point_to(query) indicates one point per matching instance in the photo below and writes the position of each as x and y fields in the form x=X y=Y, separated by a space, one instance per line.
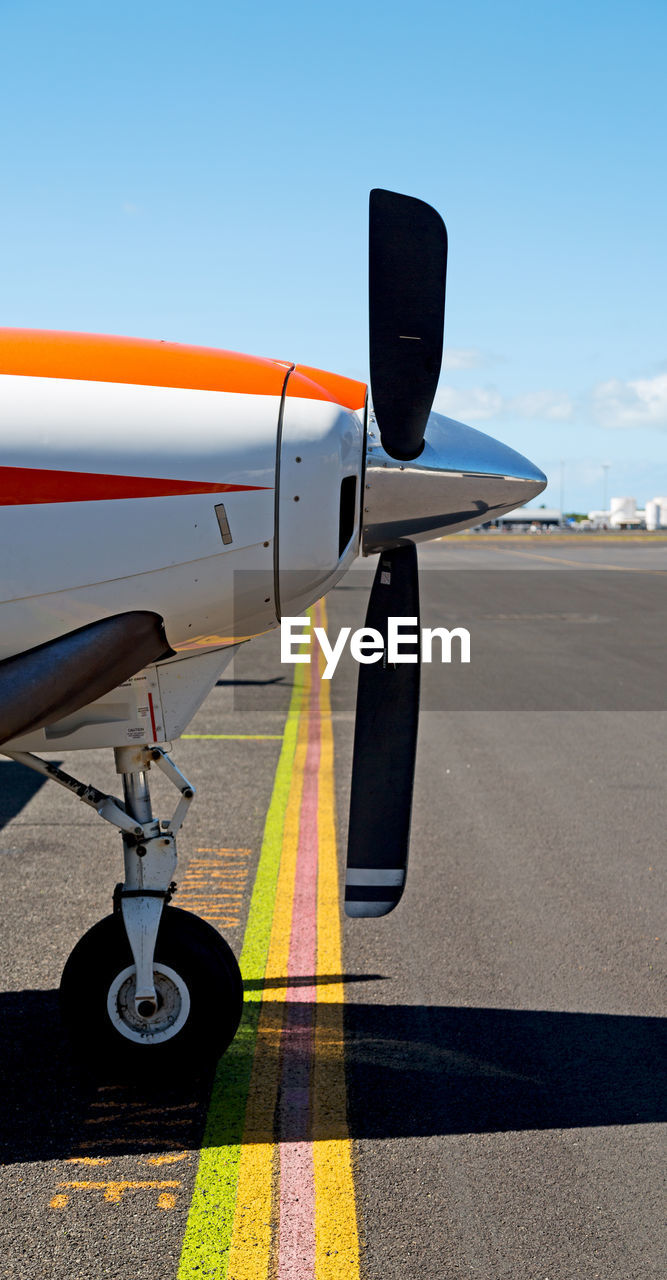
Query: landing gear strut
x=149 y=983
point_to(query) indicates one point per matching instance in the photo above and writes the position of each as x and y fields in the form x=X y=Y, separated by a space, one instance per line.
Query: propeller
x=407 y=272
x=407 y=256
x=385 y=744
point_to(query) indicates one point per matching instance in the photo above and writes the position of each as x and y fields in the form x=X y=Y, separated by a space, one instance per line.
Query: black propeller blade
x=407 y=272
x=385 y=743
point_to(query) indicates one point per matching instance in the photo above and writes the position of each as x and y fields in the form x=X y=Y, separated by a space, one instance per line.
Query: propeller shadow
x=234 y=684
x=310 y=980
x=411 y=1071
x=431 y=1070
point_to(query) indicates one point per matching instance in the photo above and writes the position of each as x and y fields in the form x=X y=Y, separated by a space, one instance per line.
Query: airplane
x=161 y=504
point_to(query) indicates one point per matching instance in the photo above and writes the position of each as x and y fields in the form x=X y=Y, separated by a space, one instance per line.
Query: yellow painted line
x=229 y=902
x=250 y=1251
x=231 y=1230
x=88 y=1160
x=587 y=538
x=237 y=737
x=114 y=1191
x=233 y=878
x=210 y=1224
x=170 y=1159
x=214 y=882
x=144 y=1108
x=577 y=564
x=336 y=1232
x=218 y=865
x=137 y=1122
x=137 y=1141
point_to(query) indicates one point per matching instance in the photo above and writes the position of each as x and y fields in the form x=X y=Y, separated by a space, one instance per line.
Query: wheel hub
x=149 y=1023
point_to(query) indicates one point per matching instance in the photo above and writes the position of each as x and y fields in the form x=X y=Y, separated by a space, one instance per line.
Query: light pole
x=562 y=489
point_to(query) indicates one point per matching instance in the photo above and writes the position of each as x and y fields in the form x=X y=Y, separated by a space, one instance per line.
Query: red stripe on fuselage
x=152 y=711
x=26 y=486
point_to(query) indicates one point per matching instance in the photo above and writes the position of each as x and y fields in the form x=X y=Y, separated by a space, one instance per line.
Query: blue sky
x=201 y=172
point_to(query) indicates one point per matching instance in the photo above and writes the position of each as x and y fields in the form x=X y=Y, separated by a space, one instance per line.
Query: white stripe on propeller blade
x=375 y=875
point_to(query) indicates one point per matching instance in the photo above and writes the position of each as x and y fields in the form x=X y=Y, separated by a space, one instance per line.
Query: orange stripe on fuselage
x=92 y=357
x=344 y=391
x=28 y=486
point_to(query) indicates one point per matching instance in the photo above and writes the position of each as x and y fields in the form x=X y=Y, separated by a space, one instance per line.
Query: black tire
x=199 y=961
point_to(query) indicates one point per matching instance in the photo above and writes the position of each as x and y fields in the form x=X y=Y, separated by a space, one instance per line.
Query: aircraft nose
x=461 y=478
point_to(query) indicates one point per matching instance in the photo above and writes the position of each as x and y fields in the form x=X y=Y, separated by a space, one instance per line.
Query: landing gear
x=149 y=985
x=199 y=997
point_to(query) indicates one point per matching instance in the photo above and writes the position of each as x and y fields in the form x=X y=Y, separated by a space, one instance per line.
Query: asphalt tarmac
x=505 y=1027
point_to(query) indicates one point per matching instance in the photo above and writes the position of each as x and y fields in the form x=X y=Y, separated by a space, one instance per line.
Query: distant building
x=524 y=518
x=656 y=513
x=624 y=513
x=596 y=520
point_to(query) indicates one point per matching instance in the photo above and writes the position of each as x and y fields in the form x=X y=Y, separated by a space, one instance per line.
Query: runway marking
x=113 y=1191
x=336 y=1231
x=118 y=1125
x=578 y=564
x=214 y=884
x=128 y=1140
x=129 y=1106
x=274 y=1194
x=236 y=737
x=115 y=1121
x=175 y=1158
x=88 y=1160
x=559 y=540
x=211 y=1219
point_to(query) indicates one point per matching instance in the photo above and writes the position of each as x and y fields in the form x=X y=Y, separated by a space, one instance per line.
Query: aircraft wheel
x=198 y=984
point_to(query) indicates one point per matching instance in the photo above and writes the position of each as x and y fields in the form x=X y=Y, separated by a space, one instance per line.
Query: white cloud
x=474 y=405
x=554 y=405
x=616 y=403
x=478 y=404
x=464 y=358
x=638 y=403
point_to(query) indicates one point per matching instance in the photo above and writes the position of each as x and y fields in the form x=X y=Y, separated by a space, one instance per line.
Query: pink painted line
x=296 y=1236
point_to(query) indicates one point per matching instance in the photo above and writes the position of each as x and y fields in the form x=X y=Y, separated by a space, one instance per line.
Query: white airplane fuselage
x=221 y=492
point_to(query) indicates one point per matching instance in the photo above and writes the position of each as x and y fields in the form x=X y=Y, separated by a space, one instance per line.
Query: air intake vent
x=348 y=510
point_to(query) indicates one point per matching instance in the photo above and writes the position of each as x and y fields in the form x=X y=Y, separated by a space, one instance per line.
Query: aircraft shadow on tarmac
x=18 y=785
x=411 y=1071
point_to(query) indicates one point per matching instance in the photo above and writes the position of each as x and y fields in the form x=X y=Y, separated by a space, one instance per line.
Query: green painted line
x=240 y=737
x=211 y=1218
